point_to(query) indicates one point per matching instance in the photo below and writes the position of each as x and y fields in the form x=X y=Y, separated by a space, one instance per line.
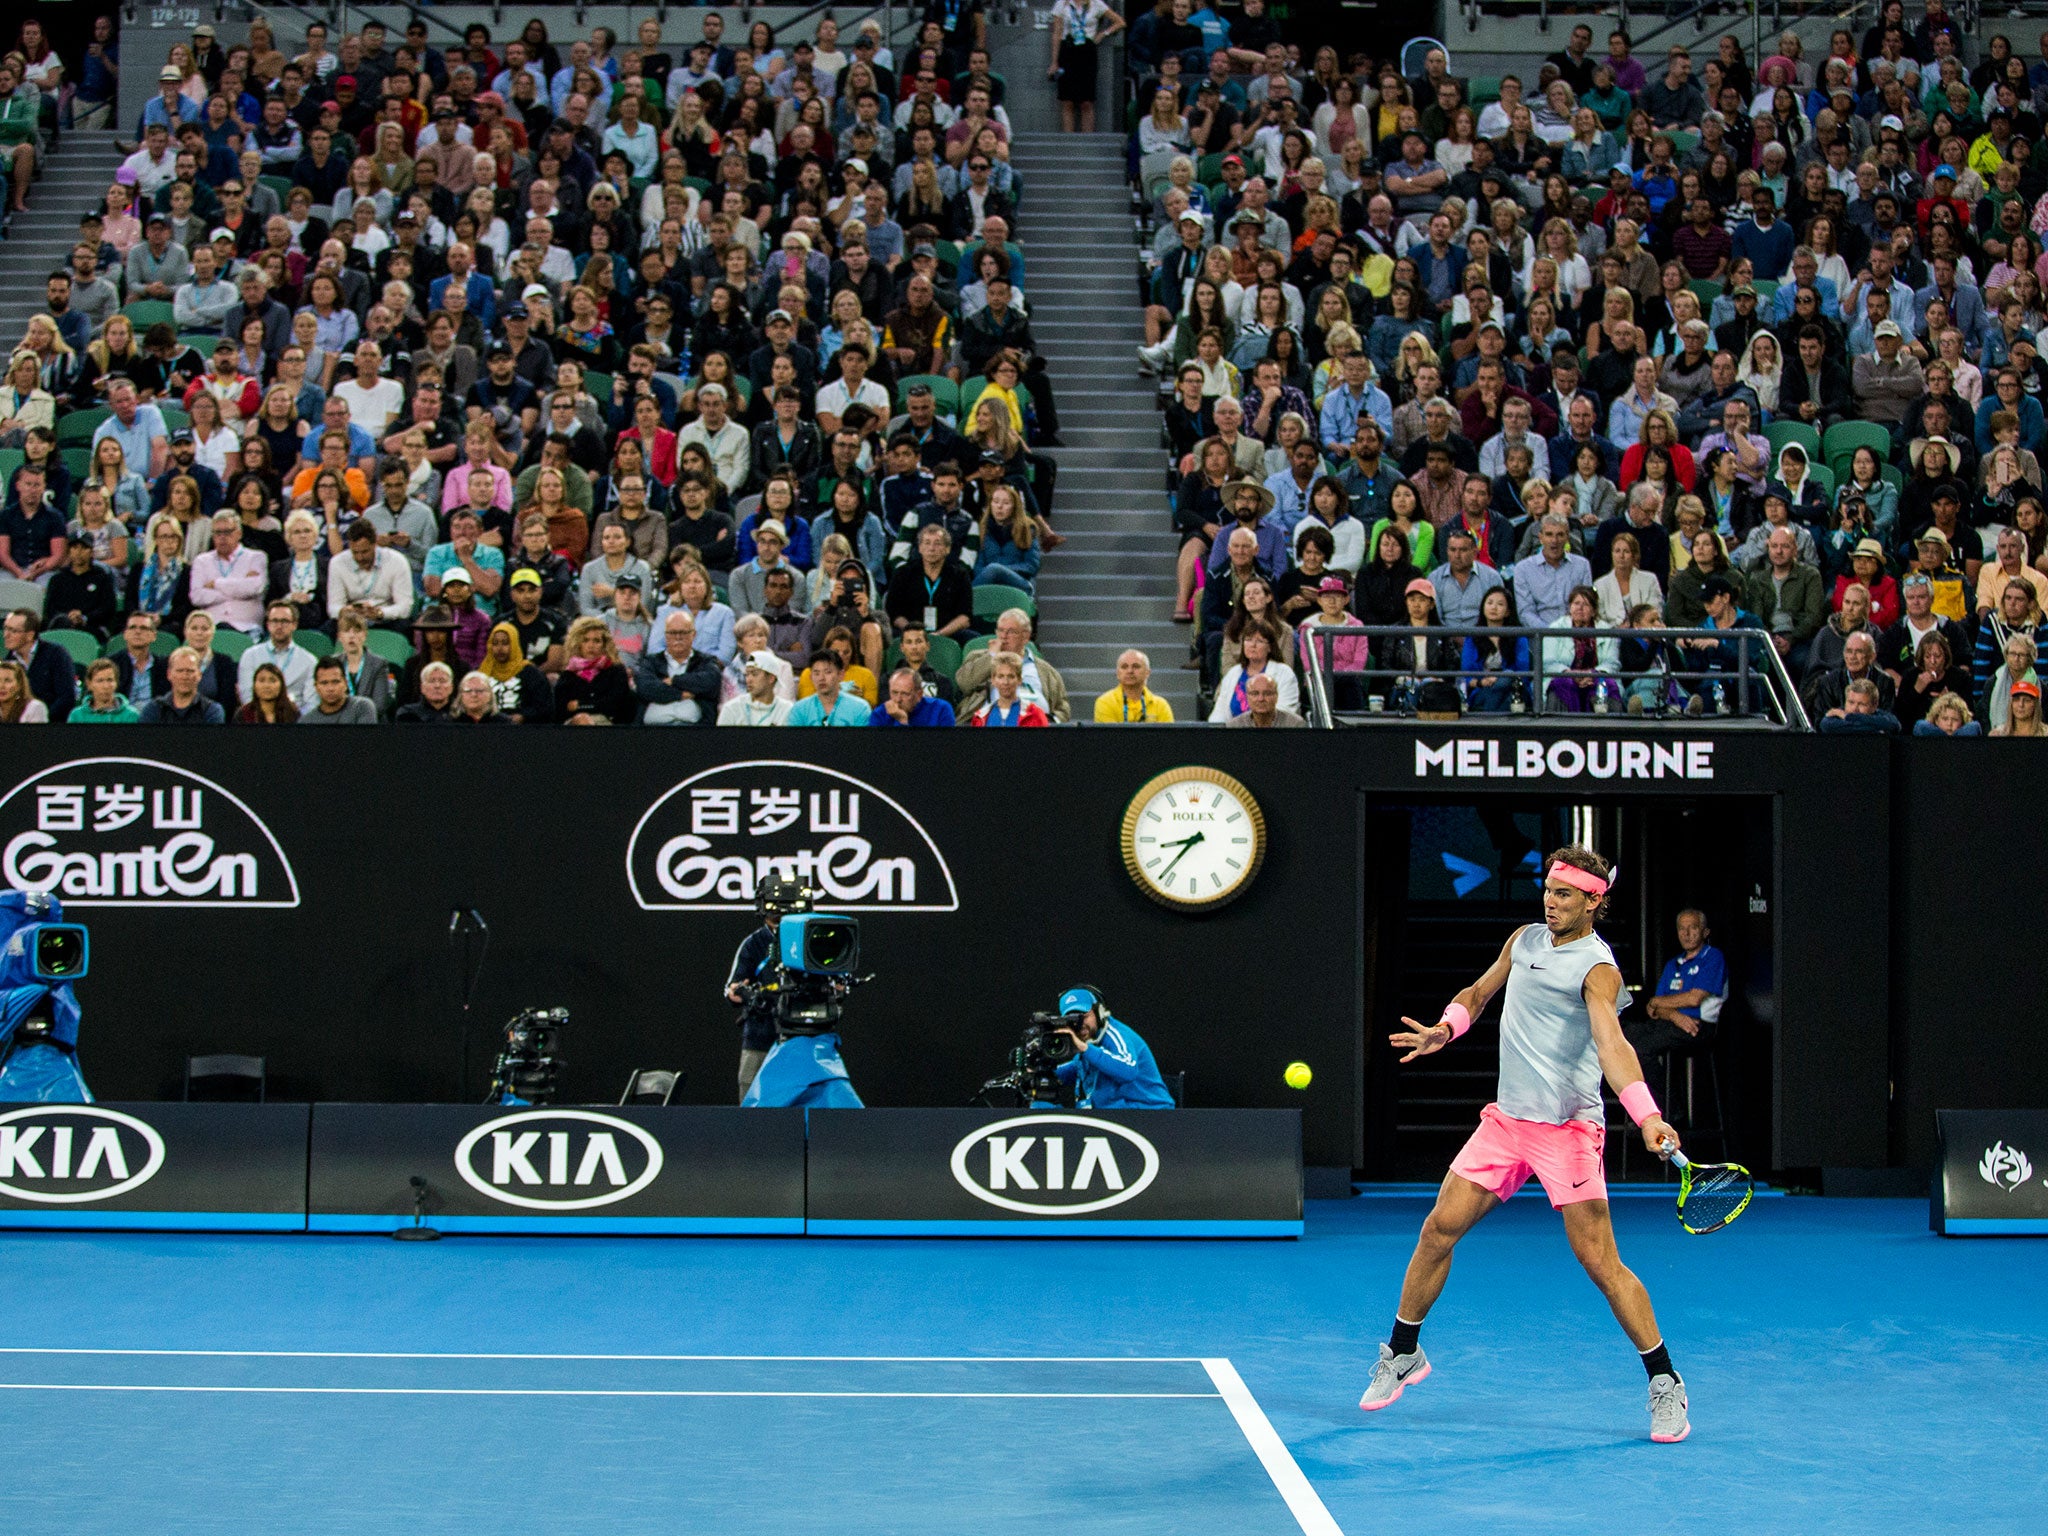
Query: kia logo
x=1037 y=1165
x=558 y=1159
x=72 y=1154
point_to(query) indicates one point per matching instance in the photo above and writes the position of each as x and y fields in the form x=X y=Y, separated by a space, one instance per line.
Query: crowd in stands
x=1608 y=345
x=525 y=382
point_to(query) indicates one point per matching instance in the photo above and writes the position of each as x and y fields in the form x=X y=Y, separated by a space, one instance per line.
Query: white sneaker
x=1668 y=1423
x=1394 y=1375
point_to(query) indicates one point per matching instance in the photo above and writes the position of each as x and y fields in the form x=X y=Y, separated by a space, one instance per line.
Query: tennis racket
x=1710 y=1195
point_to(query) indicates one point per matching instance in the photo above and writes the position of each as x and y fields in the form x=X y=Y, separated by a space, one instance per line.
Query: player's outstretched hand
x=1418 y=1039
x=1658 y=1136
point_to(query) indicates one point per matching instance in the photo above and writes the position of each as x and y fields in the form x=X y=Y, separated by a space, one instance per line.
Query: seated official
x=1686 y=1006
x=1114 y=1069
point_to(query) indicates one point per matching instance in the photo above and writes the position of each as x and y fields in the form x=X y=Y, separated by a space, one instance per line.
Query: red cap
x=2031 y=689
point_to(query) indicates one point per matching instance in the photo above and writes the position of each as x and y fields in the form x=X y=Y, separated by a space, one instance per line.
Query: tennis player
x=1559 y=1034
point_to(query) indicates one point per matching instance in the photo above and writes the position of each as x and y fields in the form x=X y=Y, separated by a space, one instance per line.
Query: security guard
x=1113 y=1067
x=1686 y=1007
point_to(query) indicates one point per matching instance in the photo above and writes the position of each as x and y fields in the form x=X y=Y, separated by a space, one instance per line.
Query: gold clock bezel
x=1190 y=775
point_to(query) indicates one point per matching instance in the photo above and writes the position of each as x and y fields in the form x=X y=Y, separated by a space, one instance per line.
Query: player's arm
x=1419 y=1039
x=1618 y=1062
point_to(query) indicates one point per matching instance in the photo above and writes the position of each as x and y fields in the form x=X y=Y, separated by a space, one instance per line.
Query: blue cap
x=1077 y=1000
x=1945 y=170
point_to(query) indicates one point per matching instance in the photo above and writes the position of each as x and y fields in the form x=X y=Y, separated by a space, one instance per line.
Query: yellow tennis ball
x=1298 y=1074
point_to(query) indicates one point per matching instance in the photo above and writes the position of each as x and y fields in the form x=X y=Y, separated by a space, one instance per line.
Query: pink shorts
x=1504 y=1151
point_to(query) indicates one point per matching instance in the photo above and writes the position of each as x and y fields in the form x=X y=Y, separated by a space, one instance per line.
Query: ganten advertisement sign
x=128 y=832
x=705 y=844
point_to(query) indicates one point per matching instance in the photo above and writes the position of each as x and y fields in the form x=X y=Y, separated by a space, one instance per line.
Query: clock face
x=1193 y=838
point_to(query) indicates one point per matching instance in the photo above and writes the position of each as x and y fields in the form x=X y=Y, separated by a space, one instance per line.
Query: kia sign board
x=209 y=1167
x=1993 y=1176
x=968 y=1172
x=556 y=1169
x=704 y=844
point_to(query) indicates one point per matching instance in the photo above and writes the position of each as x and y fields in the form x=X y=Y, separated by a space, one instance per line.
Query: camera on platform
x=1033 y=1079
x=1042 y=1044
x=530 y=1058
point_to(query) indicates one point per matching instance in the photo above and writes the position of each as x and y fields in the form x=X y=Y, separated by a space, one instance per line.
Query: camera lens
x=59 y=951
x=832 y=945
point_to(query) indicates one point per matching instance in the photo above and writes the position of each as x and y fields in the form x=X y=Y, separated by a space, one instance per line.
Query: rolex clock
x=1193 y=838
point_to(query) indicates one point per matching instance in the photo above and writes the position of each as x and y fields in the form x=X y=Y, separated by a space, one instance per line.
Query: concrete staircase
x=1111 y=585
x=39 y=241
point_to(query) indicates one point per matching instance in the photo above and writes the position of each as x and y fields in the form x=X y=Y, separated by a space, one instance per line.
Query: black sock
x=1657 y=1362
x=1405 y=1336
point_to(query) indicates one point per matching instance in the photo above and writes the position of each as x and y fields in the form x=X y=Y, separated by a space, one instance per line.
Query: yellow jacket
x=1112 y=709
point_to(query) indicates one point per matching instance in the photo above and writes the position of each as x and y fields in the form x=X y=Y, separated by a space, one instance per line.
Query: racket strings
x=1715 y=1197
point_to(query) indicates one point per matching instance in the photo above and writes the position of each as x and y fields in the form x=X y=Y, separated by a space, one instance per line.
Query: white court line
x=55 y=1386
x=1302 y=1500
x=367 y=1354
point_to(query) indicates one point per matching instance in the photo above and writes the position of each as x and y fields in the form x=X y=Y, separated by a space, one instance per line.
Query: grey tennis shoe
x=1394 y=1375
x=1668 y=1423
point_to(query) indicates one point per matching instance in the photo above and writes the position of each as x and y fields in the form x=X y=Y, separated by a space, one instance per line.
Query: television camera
x=530 y=1058
x=817 y=955
x=1033 y=1079
x=40 y=957
x=806 y=981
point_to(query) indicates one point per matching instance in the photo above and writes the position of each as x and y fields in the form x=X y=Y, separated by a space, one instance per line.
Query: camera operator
x=774 y=897
x=844 y=603
x=1113 y=1067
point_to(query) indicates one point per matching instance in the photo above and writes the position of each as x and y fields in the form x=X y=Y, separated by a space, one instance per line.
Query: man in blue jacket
x=1114 y=1069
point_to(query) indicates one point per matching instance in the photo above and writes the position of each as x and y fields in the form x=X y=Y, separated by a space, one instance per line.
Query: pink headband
x=1571 y=875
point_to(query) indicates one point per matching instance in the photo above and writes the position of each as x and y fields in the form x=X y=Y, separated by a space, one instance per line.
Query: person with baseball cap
x=1110 y=1065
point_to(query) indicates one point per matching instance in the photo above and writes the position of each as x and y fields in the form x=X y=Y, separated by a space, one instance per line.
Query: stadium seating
x=1376 y=280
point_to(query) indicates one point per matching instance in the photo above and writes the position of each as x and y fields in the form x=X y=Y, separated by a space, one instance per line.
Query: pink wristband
x=1458 y=1017
x=1636 y=1099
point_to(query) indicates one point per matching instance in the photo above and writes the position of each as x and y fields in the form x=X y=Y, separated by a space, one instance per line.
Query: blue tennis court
x=1848 y=1373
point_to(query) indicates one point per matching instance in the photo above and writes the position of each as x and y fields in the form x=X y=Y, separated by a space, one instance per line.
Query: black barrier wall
x=293 y=901
x=1968 y=1030
x=290 y=897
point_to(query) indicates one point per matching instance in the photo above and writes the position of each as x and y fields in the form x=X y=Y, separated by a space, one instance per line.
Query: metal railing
x=1348 y=676
x=1761 y=19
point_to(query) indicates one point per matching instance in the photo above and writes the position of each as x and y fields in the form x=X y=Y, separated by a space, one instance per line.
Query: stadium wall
x=250 y=893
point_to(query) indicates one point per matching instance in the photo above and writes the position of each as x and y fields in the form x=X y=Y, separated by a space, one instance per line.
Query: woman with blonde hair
x=1339 y=342
x=194 y=86
x=1415 y=352
x=1010 y=550
x=24 y=403
x=394 y=165
x=127 y=492
x=594 y=688
x=1948 y=715
x=95 y=525
x=1617 y=307
x=2023 y=705
x=1560 y=243
x=56 y=362
x=116 y=351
